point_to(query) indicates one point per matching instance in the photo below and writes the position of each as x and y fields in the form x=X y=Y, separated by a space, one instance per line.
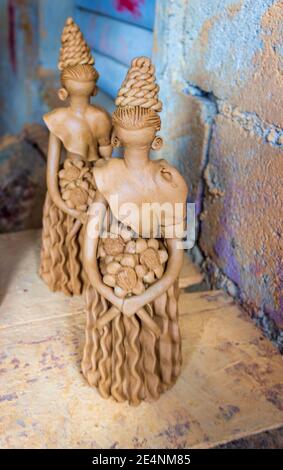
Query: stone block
x=230 y=49
x=241 y=229
x=234 y=50
x=186 y=126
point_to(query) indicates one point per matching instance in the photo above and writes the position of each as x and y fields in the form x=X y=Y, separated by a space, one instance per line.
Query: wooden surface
x=190 y=274
x=231 y=383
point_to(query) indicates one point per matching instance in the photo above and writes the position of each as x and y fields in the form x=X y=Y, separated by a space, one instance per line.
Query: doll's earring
x=63 y=94
x=115 y=142
x=157 y=143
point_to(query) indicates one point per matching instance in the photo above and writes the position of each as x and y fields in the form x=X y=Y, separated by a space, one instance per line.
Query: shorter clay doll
x=82 y=132
x=133 y=343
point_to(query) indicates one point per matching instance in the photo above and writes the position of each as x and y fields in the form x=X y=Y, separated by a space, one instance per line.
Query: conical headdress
x=139 y=87
x=74 y=50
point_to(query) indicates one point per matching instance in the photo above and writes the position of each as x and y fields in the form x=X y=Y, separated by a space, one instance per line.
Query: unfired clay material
x=83 y=132
x=133 y=345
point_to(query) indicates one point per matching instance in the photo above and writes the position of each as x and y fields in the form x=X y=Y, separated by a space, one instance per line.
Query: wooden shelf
x=230 y=385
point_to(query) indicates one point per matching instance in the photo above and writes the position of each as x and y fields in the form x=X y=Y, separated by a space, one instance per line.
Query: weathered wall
x=19 y=52
x=220 y=68
x=117 y=31
x=22 y=179
x=30 y=36
x=30 y=32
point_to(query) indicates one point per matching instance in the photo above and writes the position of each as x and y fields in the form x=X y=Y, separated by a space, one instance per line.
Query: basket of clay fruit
x=128 y=264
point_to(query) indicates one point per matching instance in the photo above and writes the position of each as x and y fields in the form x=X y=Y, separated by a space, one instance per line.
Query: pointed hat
x=139 y=87
x=74 y=50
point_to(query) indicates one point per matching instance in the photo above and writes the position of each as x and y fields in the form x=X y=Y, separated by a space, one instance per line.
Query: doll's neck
x=136 y=157
x=79 y=104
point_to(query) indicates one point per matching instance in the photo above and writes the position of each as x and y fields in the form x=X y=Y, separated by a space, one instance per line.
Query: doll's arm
x=104 y=137
x=53 y=160
x=174 y=266
x=105 y=151
x=91 y=238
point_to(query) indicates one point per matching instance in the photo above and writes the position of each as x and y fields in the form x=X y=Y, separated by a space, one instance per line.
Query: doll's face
x=80 y=88
x=135 y=138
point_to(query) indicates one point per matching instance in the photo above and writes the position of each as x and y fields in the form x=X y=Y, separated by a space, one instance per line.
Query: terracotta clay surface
x=82 y=132
x=46 y=403
x=133 y=343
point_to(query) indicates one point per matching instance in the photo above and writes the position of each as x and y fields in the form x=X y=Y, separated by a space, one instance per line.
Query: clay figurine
x=81 y=132
x=133 y=345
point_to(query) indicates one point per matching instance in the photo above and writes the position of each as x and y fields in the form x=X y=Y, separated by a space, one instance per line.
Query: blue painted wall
x=117 y=31
x=138 y=12
x=30 y=39
x=52 y=16
x=30 y=31
x=19 y=50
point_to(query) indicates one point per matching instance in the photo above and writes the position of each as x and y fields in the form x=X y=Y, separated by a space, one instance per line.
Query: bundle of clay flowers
x=128 y=264
x=76 y=184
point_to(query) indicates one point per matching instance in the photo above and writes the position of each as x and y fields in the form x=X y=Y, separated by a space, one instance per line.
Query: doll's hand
x=83 y=217
x=132 y=305
x=116 y=301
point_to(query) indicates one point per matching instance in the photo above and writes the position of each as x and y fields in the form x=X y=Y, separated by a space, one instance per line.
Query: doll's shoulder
x=95 y=110
x=74 y=132
x=108 y=174
x=56 y=117
x=96 y=115
x=163 y=164
x=63 y=122
x=170 y=181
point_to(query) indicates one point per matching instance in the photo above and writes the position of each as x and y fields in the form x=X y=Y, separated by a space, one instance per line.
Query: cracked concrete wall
x=220 y=68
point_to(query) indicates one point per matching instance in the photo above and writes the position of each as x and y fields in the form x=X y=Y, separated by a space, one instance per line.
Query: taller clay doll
x=82 y=132
x=133 y=254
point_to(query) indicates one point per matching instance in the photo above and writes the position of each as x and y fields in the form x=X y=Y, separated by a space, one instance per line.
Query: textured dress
x=61 y=254
x=128 y=358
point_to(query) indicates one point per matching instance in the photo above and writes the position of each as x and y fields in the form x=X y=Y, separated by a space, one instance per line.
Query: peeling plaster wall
x=19 y=52
x=29 y=34
x=220 y=66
